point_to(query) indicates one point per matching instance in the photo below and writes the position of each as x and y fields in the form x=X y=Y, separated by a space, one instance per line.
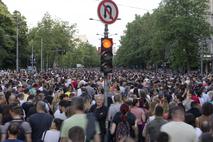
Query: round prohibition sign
x=108 y=11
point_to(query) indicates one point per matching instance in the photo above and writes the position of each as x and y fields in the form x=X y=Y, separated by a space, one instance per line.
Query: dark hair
x=76 y=134
x=190 y=119
x=13 y=128
x=58 y=123
x=135 y=101
x=163 y=137
x=78 y=103
x=16 y=109
x=207 y=109
x=206 y=137
x=64 y=103
x=159 y=110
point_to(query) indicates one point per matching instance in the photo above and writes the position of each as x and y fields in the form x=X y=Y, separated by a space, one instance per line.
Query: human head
x=15 y=110
x=56 y=124
x=99 y=100
x=117 y=98
x=159 y=111
x=163 y=137
x=178 y=114
x=190 y=119
x=41 y=106
x=87 y=102
x=13 y=129
x=76 y=134
x=12 y=99
x=135 y=102
x=78 y=104
x=124 y=108
x=63 y=104
x=207 y=109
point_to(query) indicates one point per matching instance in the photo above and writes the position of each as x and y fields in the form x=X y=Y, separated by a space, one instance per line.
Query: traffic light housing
x=106 y=55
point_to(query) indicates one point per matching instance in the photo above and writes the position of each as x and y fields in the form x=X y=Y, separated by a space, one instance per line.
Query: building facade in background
x=208 y=51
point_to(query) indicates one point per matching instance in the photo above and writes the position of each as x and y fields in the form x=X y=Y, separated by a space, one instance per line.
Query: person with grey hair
x=40 y=121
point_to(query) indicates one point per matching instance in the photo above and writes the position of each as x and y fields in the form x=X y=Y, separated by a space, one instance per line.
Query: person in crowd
x=25 y=128
x=123 y=120
x=60 y=112
x=28 y=104
x=163 y=137
x=40 y=121
x=53 y=134
x=195 y=109
x=86 y=122
x=177 y=129
x=100 y=112
x=207 y=111
x=76 y=134
x=152 y=128
x=140 y=118
x=13 y=131
x=114 y=108
x=208 y=136
x=190 y=119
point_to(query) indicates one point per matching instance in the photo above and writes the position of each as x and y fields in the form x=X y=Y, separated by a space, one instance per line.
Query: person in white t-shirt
x=177 y=129
x=60 y=112
x=53 y=135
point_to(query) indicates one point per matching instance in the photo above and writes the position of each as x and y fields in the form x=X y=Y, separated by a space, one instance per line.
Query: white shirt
x=51 y=136
x=179 y=132
x=198 y=133
x=60 y=115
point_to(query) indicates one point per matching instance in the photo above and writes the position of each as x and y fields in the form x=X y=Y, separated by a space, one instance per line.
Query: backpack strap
x=44 y=135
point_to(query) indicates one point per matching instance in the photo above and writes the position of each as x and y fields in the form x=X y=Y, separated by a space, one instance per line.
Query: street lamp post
x=17 y=44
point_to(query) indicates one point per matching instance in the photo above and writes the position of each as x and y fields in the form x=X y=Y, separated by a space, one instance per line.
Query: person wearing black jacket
x=100 y=112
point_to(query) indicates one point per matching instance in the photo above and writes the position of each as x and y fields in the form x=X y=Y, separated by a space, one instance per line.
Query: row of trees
x=8 y=24
x=53 y=37
x=169 y=36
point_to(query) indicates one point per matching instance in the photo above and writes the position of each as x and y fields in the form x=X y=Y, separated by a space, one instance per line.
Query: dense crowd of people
x=72 y=106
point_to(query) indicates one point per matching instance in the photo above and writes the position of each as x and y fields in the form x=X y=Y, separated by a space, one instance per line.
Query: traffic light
x=106 y=55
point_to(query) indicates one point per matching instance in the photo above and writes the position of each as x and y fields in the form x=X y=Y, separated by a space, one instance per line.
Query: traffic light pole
x=106 y=82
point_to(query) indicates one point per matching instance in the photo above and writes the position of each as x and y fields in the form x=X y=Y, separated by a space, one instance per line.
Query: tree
x=171 y=34
x=8 y=23
x=55 y=36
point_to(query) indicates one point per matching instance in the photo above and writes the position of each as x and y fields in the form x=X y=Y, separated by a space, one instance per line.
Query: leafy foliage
x=171 y=34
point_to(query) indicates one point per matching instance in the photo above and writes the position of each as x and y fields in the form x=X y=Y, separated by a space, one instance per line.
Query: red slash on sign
x=108 y=11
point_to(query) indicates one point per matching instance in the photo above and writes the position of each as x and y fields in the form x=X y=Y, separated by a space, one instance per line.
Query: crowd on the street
x=138 y=106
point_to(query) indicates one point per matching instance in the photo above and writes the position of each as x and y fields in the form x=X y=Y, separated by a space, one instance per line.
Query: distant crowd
x=72 y=106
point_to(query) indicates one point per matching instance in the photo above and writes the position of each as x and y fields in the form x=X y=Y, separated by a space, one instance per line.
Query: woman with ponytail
x=122 y=124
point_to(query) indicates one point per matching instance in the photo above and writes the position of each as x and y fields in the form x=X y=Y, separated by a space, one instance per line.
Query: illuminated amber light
x=107 y=43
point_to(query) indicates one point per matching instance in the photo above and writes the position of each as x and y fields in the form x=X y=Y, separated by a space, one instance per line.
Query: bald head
x=41 y=107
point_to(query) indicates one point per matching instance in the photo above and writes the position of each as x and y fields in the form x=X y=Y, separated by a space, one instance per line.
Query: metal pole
x=201 y=67
x=17 y=43
x=41 y=54
x=106 y=83
x=106 y=86
x=32 y=58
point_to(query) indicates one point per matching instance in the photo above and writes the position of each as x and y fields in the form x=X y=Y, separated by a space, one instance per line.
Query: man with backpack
x=25 y=130
x=123 y=124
